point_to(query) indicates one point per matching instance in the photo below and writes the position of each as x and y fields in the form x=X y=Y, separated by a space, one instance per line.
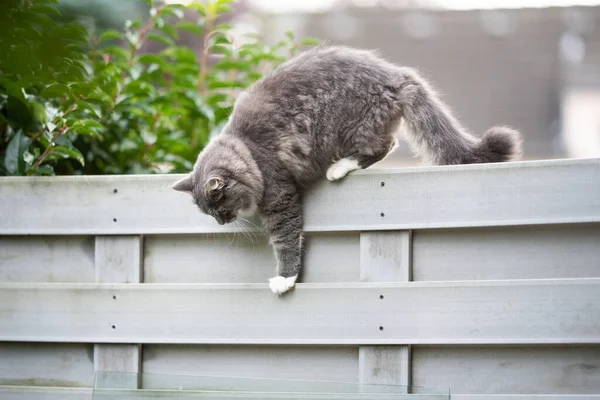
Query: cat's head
x=219 y=195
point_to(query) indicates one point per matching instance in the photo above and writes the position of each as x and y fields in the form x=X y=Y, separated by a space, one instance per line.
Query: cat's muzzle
x=222 y=220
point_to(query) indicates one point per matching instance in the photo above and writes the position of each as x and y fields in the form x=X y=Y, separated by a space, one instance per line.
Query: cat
x=328 y=111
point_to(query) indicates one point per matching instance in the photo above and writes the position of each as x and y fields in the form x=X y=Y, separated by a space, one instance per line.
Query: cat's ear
x=214 y=183
x=184 y=185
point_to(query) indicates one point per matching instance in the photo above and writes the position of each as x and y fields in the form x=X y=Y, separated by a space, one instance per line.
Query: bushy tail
x=498 y=144
x=437 y=136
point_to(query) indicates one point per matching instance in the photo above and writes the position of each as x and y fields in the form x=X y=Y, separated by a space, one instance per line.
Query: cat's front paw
x=279 y=285
x=341 y=168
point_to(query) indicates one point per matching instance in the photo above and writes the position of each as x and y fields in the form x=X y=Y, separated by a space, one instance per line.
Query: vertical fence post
x=118 y=259
x=385 y=257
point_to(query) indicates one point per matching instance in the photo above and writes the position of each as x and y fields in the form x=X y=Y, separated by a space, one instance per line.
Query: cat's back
x=321 y=78
x=323 y=68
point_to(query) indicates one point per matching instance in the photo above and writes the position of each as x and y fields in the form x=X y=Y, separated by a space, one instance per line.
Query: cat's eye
x=221 y=210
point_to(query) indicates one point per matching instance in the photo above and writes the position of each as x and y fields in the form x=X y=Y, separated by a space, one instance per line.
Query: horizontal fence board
x=42 y=393
x=45 y=393
x=540 y=252
x=525 y=397
x=217 y=258
x=46 y=364
x=273 y=362
x=183 y=394
x=494 y=312
x=57 y=259
x=519 y=370
x=524 y=193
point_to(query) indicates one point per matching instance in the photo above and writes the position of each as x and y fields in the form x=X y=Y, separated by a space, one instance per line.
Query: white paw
x=280 y=284
x=340 y=168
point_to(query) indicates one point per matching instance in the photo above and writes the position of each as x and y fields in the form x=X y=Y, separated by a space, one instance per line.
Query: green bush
x=71 y=103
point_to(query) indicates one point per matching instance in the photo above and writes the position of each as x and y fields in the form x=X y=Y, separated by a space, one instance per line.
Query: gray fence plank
x=535 y=252
x=119 y=260
x=332 y=363
x=44 y=393
x=385 y=257
x=46 y=364
x=58 y=258
x=525 y=397
x=216 y=258
x=534 y=192
x=559 y=370
x=495 y=312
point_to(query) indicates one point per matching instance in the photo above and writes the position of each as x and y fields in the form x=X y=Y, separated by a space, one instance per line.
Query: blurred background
x=530 y=64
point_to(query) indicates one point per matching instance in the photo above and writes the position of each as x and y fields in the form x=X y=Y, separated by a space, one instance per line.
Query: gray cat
x=328 y=111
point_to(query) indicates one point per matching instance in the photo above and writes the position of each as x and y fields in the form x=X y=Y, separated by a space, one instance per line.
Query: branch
x=61 y=131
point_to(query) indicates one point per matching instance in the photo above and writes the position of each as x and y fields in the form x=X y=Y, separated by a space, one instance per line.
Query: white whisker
x=232 y=240
x=251 y=232
x=253 y=224
x=248 y=234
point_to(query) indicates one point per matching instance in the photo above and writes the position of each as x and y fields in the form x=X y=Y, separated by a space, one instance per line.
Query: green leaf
x=169 y=30
x=56 y=90
x=221 y=40
x=225 y=64
x=98 y=94
x=310 y=41
x=220 y=84
x=110 y=34
x=13 y=160
x=190 y=27
x=86 y=127
x=43 y=170
x=39 y=112
x=157 y=37
x=150 y=58
x=173 y=9
x=221 y=9
x=221 y=49
x=44 y=8
x=222 y=28
x=19 y=113
x=180 y=54
x=138 y=88
x=91 y=108
x=116 y=51
x=66 y=152
x=28 y=157
x=199 y=8
x=129 y=24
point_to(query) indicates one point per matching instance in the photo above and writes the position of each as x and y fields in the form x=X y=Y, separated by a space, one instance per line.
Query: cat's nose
x=219 y=219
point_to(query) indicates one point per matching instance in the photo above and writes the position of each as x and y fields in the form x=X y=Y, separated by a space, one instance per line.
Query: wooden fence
x=484 y=279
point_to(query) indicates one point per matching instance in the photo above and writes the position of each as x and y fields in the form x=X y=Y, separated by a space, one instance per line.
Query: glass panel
x=121 y=386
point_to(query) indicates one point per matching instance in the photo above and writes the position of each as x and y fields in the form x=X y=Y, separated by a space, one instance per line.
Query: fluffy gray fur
x=327 y=104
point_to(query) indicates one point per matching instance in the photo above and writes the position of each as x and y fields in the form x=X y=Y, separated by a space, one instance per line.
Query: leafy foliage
x=71 y=103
